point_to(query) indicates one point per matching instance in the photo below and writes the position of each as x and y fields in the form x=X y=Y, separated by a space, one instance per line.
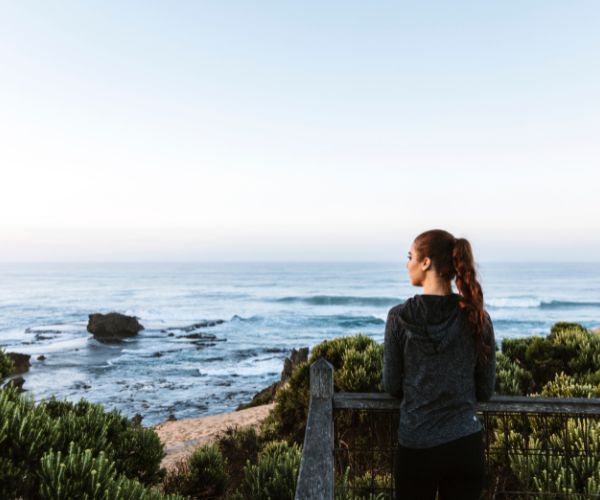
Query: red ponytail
x=471 y=294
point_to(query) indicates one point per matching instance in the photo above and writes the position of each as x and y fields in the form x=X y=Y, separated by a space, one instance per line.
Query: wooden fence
x=316 y=477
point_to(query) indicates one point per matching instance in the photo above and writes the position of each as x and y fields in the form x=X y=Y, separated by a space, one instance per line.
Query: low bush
x=565 y=386
x=273 y=476
x=207 y=473
x=79 y=475
x=28 y=432
x=537 y=459
x=563 y=326
x=528 y=364
x=240 y=446
x=6 y=365
x=358 y=363
x=136 y=451
x=511 y=378
x=544 y=454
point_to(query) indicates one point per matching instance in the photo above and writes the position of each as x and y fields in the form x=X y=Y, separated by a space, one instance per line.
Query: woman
x=440 y=358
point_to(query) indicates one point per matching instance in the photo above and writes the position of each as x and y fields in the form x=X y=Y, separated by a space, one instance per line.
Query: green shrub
x=274 y=475
x=347 y=489
x=357 y=361
x=238 y=446
x=528 y=364
x=138 y=454
x=538 y=457
x=207 y=472
x=584 y=343
x=545 y=359
x=361 y=369
x=511 y=378
x=565 y=386
x=288 y=418
x=368 y=486
x=562 y=326
x=79 y=475
x=548 y=454
x=516 y=349
x=175 y=480
x=136 y=451
x=6 y=365
x=28 y=432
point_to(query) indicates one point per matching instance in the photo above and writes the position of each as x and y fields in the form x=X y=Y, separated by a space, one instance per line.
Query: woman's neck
x=437 y=287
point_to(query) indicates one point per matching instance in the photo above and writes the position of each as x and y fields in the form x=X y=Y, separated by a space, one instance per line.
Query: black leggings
x=456 y=469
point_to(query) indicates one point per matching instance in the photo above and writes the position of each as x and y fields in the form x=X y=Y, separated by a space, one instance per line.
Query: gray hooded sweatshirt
x=430 y=362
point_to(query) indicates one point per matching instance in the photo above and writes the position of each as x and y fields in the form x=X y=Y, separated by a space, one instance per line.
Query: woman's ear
x=426 y=264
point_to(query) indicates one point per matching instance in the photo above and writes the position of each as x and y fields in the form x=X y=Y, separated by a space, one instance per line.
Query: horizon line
x=381 y=261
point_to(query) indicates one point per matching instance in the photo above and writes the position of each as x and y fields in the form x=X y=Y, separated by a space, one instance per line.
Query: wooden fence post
x=316 y=475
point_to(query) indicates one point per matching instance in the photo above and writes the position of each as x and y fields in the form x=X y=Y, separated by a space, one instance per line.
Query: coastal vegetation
x=57 y=449
x=6 y=365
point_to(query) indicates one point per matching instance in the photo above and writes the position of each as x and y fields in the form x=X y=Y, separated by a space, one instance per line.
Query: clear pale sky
x=336 y=130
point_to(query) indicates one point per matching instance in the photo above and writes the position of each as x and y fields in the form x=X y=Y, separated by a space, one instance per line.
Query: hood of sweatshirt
x=432 y=320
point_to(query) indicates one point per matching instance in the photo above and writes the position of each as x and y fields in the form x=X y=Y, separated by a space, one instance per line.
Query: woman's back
x=431 y=362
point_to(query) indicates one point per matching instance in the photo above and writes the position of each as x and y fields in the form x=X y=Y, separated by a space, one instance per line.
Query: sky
x=298 y=131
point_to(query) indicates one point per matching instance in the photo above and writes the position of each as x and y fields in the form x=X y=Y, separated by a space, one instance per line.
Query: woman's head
x=439 y=252
x=431 y=252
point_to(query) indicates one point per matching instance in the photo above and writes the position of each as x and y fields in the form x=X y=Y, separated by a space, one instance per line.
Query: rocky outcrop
x=113 y=326
x=297 y=357
x=16 y=383
x=267 y=395
x=20 y=361
x=202 y=324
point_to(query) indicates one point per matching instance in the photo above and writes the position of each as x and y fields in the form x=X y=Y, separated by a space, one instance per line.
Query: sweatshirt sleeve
x=485 y=375
x=393 y=368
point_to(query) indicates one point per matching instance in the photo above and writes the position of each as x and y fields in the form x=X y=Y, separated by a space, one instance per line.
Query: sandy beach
x=182 y=437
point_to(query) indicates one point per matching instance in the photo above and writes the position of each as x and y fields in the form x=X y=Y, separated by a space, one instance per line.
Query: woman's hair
x=452 y=258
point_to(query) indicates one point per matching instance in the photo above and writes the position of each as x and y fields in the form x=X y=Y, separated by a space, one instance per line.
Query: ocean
x=267 y=309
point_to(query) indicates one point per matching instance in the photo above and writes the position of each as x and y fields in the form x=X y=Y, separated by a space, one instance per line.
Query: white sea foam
x=513 y=302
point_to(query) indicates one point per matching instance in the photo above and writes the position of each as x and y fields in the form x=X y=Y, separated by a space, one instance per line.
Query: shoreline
x=181 y=437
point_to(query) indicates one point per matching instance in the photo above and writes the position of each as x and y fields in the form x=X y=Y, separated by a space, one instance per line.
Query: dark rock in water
x=171 y=335
x=196 y=326
x=113 y=325
x=199 y=336
x=42 y=330
x=20 y=361
x=17 y=383
x=203 y=345
x=203 y=324
x=136 y=420
x=43 y=337
x=222 y=383
x=157 y=355
x=289 y=364
x=171 y=418
x=81 y=385
x=202 y=340
x=41 y=357
x=274 y=350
